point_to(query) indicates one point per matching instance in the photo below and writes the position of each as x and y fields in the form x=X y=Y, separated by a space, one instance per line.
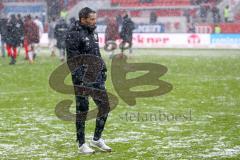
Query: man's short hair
x=84 y=13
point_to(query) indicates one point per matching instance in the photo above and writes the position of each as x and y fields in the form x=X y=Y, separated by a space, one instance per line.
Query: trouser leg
x=82 y=106
x=14 y=55
x=9 y=50
x=103 y=110
x=25 y=45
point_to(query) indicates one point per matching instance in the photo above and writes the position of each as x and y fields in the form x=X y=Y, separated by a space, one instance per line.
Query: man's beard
x=91 y=28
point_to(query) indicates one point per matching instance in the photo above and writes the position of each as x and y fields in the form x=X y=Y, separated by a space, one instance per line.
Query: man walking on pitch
x=41 y=31
x=12 y=39
x=60 y=35
x=31 y=36
x=52 y=40
x=127 y=30
x=82 y=40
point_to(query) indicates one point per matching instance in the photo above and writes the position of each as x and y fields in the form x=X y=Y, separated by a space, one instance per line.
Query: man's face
x=91 y=20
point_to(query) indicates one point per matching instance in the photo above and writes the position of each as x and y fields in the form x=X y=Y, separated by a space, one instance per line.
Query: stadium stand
x=176 y=15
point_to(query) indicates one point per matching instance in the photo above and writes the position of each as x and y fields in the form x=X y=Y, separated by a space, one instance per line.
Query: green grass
x=205 y=82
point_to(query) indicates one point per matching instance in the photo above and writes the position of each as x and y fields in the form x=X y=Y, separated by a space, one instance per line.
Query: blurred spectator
x=216 y=14
x=52 y=40
x=217 y=29
x=231 y=15
x=226 y=14
x=153 y=18
x=111 y=32
x=31 y=36
x=127 y=30
x=41 y=31
x=12 y=39
x=203 y=13
x=191 y=28
x=64 y=13
x=60 y=35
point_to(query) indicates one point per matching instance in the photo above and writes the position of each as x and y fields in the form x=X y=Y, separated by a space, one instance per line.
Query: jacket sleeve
x=73 y=47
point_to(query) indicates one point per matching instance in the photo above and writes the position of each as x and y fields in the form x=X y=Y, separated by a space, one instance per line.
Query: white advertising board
x=159 y=40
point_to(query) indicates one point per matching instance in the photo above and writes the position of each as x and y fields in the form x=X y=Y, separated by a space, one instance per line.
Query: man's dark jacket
x=83 y=40
x=12 y=37
x=127 y=29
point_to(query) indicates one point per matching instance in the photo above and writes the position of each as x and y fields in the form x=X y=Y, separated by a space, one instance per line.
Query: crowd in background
x=25 y=32
x=19 y=32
